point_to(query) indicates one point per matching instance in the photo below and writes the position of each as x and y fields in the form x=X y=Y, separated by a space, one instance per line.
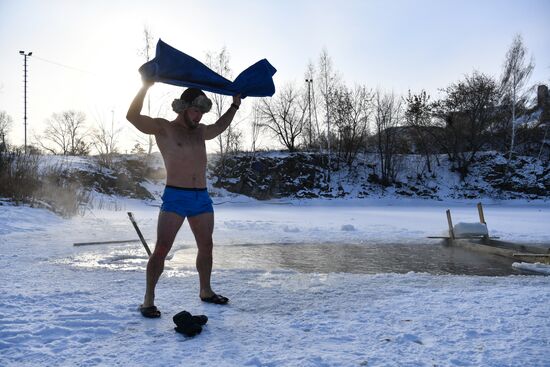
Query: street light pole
x=25 y=55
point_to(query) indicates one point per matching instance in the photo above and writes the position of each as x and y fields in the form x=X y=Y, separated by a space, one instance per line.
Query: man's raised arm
x=224 y=121
x=143 y=123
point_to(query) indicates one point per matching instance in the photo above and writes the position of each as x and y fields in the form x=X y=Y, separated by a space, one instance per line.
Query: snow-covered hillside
x=281 y=175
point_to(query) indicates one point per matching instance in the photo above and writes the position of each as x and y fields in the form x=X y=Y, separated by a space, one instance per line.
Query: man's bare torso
x=184 y=153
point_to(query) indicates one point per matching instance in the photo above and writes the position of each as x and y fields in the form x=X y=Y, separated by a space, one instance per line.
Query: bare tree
x=387 y=118
x=5 y=126
x=105 y=138
x=234 y=139
x=351 y=109
x=147 y=52
x=284 y=115
x=66 y=134
x=230 y=140
x=516 y=73
x=328 y=80
x=256 y=126
x=418 y=118
x=465 y=115
x=137 y=149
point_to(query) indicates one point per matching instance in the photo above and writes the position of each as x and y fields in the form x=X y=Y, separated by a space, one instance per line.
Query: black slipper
x=151 y=312
x=185 y=317
x=200 y=319
x=216 y=299
x=188 y=324
x=189 y=330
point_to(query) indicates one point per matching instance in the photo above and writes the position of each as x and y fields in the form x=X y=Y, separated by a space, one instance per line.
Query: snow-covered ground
x=64 y=305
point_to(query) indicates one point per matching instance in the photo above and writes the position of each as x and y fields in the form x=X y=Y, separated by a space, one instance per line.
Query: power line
x=63 y=65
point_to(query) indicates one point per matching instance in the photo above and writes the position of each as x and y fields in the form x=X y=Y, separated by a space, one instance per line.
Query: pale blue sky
x=393 y=45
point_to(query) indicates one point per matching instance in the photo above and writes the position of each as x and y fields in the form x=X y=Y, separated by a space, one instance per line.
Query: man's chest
x=183 y=142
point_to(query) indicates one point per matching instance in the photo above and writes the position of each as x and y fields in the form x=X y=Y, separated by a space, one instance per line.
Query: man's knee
x=205 y=246
x=162 y=249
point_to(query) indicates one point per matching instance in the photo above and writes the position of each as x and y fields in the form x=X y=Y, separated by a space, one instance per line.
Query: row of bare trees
x=476 y=113
x=68 y=133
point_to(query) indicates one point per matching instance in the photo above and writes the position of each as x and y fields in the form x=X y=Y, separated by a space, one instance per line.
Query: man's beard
x=189 y=123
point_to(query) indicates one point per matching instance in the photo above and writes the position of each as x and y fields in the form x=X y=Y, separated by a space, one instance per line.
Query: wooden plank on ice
x=104 y=242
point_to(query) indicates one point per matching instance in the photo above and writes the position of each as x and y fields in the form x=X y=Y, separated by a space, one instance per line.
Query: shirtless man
x=182 y=145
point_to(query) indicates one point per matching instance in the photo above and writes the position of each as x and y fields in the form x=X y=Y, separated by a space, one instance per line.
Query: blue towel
x=174 y=67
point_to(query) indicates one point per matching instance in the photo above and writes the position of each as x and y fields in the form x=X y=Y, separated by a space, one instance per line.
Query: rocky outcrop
x=305 y=175
x=270 y=176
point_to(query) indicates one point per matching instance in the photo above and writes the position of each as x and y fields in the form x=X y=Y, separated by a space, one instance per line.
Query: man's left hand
x=237 y=99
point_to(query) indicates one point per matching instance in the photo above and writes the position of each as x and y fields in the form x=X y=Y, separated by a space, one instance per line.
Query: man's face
x=192 y=116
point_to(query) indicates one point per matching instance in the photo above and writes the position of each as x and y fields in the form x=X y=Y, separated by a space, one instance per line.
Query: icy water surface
x=364 y=258
x=310 y=258
x=432 y=258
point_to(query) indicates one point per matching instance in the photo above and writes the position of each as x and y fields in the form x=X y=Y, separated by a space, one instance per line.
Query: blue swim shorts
x=186 y=202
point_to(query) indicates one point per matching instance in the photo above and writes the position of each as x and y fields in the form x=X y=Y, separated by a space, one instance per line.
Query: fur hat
x=192 y=97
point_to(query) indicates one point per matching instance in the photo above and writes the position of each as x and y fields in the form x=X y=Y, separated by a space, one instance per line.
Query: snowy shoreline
x=55 y=313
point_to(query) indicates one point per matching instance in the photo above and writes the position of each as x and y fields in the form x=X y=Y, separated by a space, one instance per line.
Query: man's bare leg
x=167 y=228
x=203 y=226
